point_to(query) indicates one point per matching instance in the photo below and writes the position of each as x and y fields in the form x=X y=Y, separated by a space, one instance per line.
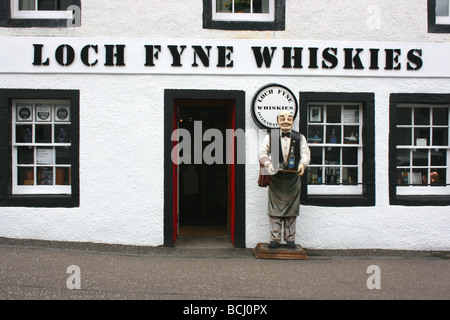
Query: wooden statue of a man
x=284 y=190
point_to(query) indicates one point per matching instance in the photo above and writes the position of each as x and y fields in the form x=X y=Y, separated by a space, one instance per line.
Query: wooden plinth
x=262 y=251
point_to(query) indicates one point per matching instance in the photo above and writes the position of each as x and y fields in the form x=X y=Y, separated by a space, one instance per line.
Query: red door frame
x=232 y=178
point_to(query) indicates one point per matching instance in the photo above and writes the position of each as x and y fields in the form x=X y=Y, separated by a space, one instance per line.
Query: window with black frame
x=244 y=14
x=439 y=16
x=39 y=148
x=340 y=133
x=40 y=13
x=420 y=143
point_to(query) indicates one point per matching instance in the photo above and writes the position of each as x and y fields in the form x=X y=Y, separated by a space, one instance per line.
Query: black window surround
x=410 y=200
x=170 y=95
x=368 y=136
x=7 y=21
x=7 y=199
x=432 y=26
x=277 y=25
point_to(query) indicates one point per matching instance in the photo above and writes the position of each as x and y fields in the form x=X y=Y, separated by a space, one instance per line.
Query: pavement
x=46 y=270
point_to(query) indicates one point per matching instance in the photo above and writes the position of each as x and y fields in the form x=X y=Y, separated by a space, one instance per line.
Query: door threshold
x=203 y=242
x=203 y=231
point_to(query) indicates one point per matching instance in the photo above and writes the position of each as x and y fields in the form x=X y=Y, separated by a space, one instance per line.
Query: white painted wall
x=121 y=129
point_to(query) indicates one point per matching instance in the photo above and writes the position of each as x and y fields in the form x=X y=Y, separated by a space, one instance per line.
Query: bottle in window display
x=62 y=135
x=333 y=137
x=27 y=136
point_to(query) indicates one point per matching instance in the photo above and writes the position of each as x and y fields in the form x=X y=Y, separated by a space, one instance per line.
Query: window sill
x=40 y=201
x=420 y=200
x=338 y=201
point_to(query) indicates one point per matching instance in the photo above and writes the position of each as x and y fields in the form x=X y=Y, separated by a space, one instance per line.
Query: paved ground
x=109 y=273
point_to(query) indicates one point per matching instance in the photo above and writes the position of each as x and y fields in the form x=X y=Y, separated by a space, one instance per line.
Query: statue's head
x=285 y=120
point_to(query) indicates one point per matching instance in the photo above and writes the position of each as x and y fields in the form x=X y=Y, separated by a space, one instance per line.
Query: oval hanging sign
x=269 y=101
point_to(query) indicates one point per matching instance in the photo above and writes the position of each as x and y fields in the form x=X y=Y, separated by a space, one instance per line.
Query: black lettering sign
x=329 y=57
x=288 y=57
x=115 y=51
x=224 y=54
x=150 y=53
x=38 y=56
x=265 y=57
x=66 y=51
x=414 y=56
x=85 y=55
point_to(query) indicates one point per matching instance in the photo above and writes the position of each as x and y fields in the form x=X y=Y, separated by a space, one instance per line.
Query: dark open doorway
x=204 y=189
x=222 y=210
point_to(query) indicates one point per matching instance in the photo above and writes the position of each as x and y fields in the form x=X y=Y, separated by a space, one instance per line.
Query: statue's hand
x=270 y=168
x=301 y=169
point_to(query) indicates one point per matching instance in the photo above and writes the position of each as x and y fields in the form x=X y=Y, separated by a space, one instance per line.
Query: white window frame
x=416 y=190
x=37 y=189
x=38 y=14
x=444 y=19
x=339 y=189
x=234 y=16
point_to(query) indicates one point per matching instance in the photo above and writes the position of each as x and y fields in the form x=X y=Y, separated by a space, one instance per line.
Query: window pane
x=44 y=176
x=242 y=6
x=24 y=112
x=422 y=136
x=419 y=177
x=332 y=155
x=438 y=177
x=43 y=133
x=333 y=114
x=422 y=116
x=402 y=177
x=350 y=156
x=43 y=112
x=315 y=175
x=316 y=155
x=25 y=155
x=420 y=157
x=64 y=4
x=403 y=157
x=440 y=116
x=333 y=134
x=62 y=176
x=442 y=7
x=47 y=5
x=315 y=134
x=62 y=134
x=26 y=5
x=223 y=5
x=351 y=114
x=439 y=157
x=44 y=155
x=63 y=155
x=25 y=176
x=315 y=113
x=404 y=136
x=351 y=134
x=440 y=136
x=332 y=175
x=404 y=116
x=260 y=6
x=24 y=134
x=349 y=175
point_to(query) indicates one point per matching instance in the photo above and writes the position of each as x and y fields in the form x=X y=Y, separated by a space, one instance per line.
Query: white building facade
x=90 y=100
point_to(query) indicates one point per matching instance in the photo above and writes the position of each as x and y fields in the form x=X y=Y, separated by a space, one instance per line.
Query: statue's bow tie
x=286 y=134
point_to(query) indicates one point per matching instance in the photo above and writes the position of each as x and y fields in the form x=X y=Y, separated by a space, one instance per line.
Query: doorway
x=203 y=199
x=205 y=186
